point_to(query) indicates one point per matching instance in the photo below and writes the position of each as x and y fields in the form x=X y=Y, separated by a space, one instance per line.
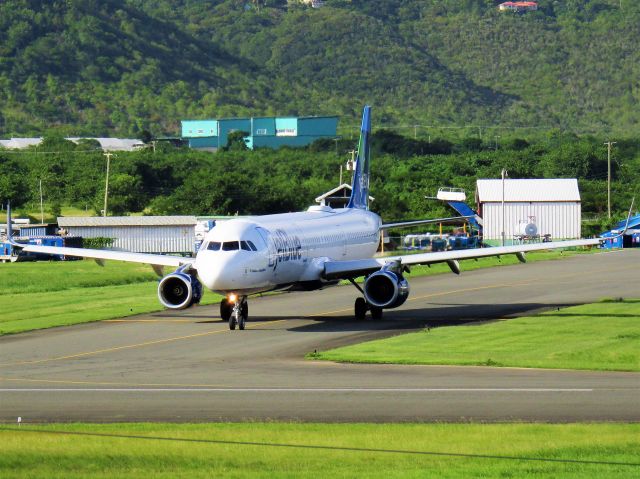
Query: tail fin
x=9 y=223
x=9 y=228
x=360 y=187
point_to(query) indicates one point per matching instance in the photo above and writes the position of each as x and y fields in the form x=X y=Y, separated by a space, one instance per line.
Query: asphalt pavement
x=187 y=366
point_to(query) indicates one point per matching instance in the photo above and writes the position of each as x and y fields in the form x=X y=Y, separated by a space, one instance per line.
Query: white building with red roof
x=518 y=6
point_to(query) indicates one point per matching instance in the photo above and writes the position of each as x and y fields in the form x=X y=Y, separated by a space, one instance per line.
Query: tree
x=13 y=182
x=235 y=141
x=123 y=195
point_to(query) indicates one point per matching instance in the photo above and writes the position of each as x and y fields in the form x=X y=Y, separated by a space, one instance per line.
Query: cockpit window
x=252 y=246
x=244 y=246
x=214 y=246
x=230 y=245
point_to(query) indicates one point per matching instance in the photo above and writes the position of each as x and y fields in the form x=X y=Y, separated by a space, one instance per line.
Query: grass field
x=49 y=294
x=321 y=450
x=600 y=336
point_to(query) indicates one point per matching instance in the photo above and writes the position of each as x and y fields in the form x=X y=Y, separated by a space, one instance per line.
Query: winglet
x=360 y=187
x=10 y=228
x=626 y=226
x=604 y=239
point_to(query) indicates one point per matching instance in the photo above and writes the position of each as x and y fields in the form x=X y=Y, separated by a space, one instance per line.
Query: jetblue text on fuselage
x=288 y=247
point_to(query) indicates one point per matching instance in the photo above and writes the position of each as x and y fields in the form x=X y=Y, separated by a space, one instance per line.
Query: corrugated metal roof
x=66 y=221
x=107 y=144
x=114 y=144
x=556 y=189
x=20 y=142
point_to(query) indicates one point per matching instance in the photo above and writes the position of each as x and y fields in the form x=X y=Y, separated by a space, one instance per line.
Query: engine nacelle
x=179 y=290
x=386 y=289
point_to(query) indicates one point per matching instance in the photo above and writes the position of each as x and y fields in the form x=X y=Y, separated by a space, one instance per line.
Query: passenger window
x=230 y=246
x=244 y=246
x=214 y=246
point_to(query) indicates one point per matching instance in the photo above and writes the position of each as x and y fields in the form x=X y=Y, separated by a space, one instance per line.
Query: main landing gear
x=235 y=310
x=361 y=306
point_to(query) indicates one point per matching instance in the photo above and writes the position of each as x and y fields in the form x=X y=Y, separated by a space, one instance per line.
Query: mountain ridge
x=119 y=67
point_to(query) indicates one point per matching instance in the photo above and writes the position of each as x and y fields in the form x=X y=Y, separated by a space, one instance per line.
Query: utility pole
x=41 y=205
x=609 y=144
x=108 y=154
x=351 y=164
x=504 y=175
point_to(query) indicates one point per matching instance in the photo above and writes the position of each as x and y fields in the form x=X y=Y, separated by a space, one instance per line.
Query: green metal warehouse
x=270 y=132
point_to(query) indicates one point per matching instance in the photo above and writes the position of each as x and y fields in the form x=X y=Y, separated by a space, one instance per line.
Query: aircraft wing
x=405 y=224
x=101 y=255
x=354 y=268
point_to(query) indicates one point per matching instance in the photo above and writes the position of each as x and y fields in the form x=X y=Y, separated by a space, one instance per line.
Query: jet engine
x=386 y=288
x=179 y=290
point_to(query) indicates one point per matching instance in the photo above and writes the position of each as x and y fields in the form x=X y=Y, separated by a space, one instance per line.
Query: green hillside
x=118 y=67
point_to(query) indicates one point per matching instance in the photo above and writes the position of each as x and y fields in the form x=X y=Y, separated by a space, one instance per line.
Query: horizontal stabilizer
x=406 y=224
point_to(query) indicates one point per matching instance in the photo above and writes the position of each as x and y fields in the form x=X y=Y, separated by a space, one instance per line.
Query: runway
x=187 y=366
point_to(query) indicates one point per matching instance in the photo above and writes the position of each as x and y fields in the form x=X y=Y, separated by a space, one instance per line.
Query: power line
x=323 y=447
x=486 y=127
x=34 y=152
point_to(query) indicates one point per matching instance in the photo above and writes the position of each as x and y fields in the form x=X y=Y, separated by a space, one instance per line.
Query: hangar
x=141 y=234
x=270 y=132
x=529 y=208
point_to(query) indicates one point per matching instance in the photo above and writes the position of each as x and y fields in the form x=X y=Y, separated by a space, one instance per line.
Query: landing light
x=232 y=298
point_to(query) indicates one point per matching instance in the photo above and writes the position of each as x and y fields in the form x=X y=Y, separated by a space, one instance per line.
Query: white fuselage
x=264 y=253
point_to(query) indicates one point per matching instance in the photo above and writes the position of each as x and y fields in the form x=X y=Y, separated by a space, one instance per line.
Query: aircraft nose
x=217 y=271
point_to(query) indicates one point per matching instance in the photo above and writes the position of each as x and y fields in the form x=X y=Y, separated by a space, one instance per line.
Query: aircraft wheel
x=225 y=310
x=243 y=313
x=232 y=322
x=360 y=308
x=376 y=313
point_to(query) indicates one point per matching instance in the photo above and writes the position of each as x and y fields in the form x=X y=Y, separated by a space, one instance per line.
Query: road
x=187 y=366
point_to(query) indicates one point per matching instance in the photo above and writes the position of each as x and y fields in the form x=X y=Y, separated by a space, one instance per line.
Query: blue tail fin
x=360 y=187
x=9 y=221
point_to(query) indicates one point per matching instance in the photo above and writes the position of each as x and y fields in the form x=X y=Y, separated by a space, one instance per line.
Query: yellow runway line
x=128 y=346
x=106 y=383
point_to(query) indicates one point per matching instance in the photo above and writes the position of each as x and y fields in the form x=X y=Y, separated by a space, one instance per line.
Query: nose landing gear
x=235 y=310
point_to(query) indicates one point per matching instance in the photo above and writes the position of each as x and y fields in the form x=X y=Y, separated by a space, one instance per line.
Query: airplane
x=306 y=251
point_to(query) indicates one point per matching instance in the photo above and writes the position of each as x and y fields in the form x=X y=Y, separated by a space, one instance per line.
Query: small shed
x=140 y=234
x=45 y=229
x=552 y=206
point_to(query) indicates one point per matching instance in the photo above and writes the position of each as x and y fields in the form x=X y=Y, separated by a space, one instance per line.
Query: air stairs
x=456 y=197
